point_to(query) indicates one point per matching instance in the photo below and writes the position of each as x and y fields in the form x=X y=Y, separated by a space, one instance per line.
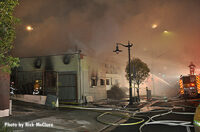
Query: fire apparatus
x=190 y=84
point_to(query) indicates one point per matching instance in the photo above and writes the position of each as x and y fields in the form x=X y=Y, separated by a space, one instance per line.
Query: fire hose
x=135 y=116
x=110 y=109
x=168 y=122
x=122 y=124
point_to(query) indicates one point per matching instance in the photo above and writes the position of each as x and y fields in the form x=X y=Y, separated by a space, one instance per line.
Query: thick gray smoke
x=94 y=26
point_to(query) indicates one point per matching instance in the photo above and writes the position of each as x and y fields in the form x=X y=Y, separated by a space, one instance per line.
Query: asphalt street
x=63 y=119
x=161 y=107
x=77 y=120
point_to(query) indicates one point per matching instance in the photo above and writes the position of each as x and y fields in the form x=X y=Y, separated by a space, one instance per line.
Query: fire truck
x=190 y=84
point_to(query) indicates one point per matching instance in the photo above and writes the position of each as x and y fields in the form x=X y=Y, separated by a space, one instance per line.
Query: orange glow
x=192 y=84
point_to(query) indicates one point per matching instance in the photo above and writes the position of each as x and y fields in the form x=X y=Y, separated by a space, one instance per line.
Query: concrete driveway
x=29 y=117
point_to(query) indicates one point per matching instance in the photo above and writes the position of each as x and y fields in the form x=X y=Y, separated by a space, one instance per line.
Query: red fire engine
x=190 y=84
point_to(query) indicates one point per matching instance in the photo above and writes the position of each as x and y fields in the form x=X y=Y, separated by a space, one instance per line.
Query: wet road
x=162 y=106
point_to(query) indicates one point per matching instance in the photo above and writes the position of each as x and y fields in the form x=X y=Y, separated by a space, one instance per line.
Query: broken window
x=107 y=82
x=102 y=81
x=93 y=82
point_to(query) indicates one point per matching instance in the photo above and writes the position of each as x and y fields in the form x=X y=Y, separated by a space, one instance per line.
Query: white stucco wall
x=92 y=67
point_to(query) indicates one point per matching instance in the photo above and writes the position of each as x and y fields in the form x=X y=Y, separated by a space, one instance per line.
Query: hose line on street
x=134 y=115
x=123 y=124
x=168 y=122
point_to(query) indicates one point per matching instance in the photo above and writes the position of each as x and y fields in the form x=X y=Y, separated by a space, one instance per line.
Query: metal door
x=50 y=82
x=67 y=86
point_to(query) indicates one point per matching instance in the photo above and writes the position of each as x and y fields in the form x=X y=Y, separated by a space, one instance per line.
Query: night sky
x=95 y=26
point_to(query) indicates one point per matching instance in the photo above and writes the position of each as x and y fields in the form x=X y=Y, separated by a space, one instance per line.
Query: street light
x=129 y=62
x=154 y=26
x=166 y=32
x=117 y=49
x=29 y=28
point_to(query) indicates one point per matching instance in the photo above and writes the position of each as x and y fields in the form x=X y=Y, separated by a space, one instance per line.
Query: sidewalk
x=38 y=118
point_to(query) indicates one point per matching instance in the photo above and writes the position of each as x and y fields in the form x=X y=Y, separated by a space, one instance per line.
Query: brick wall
x=4 y=90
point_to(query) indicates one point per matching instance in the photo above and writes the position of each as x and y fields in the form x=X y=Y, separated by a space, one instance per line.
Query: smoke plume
x=94 y=26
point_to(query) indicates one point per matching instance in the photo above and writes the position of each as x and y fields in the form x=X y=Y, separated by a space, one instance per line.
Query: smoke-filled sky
x=94 y=26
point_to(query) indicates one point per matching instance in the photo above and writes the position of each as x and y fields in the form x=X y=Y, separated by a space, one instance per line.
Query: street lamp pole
x=129 y=62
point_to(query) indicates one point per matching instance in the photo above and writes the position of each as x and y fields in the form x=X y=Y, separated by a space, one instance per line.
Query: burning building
x=72 y=77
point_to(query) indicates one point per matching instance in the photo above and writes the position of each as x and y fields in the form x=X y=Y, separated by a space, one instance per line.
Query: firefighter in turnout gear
x=12 y=88
x=36 y=88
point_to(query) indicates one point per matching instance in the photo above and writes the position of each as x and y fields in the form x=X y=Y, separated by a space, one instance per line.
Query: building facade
x=71 y=77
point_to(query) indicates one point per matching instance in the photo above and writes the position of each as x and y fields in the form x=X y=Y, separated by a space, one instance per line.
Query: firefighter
x=147 y=90
x=36 y=87
x=12 y=89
